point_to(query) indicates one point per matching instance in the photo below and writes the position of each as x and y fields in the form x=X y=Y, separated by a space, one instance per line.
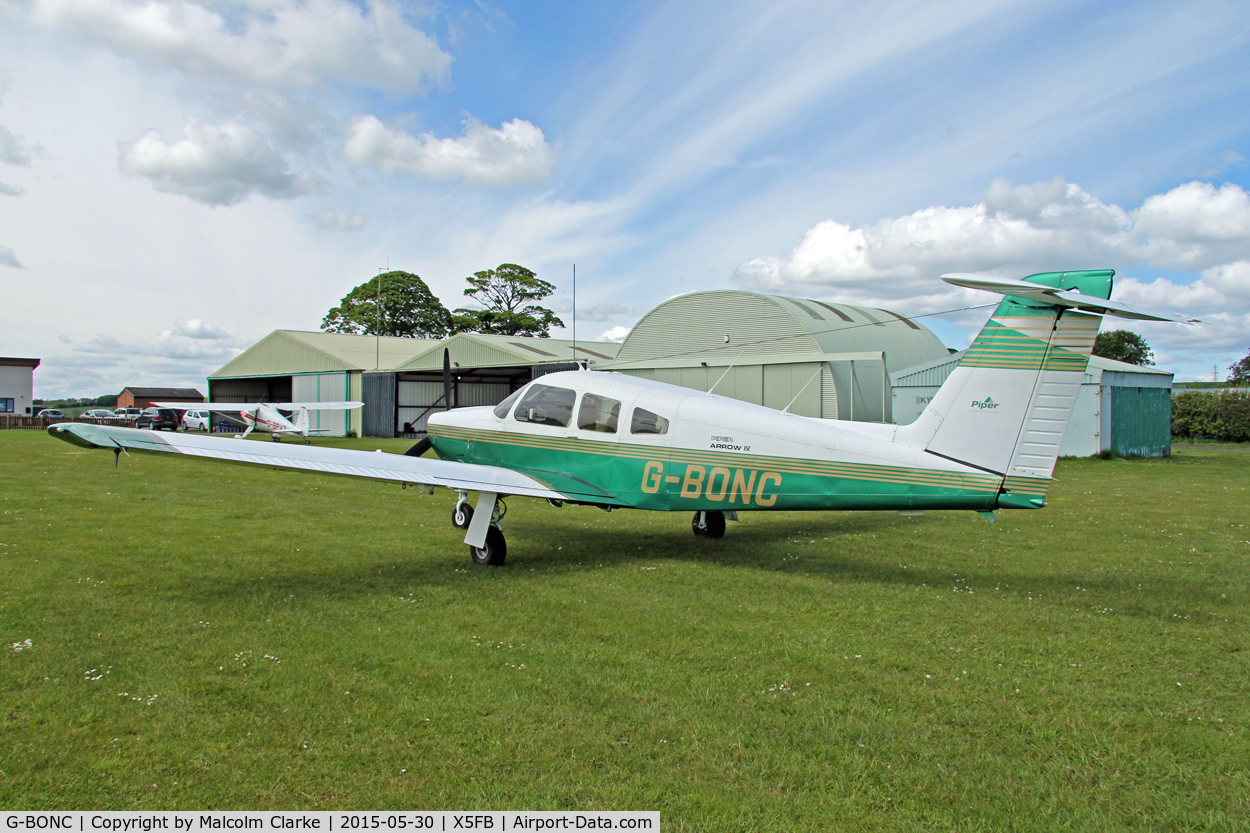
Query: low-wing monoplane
x=267 y=418
x=988 y=440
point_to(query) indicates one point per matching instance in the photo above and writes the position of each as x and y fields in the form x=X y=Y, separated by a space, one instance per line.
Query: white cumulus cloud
x=516 y=153
x=1019 y=229
x=1014 y=230
x=616 y=334
x=338 y=220
x=197 y=328
x=280 y=43
x=216 y=164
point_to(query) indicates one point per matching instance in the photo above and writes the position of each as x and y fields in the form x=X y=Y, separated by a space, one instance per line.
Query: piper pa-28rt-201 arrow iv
x=267 y=418
x=988 y=440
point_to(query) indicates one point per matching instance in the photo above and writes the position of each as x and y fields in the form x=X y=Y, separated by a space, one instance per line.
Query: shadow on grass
x=549 y=548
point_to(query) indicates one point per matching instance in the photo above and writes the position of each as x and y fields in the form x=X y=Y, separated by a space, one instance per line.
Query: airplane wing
x=317 y=406
x=374 y=465
x=235 y=407
x=215 y=407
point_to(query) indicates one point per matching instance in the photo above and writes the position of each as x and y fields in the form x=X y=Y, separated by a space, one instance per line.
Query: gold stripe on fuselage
x=819 y=468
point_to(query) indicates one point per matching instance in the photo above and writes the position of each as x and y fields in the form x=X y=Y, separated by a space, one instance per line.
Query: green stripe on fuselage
x=655 y=477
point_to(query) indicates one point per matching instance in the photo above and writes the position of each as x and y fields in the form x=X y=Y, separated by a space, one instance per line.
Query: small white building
x=17 y=385
x=1121 y=407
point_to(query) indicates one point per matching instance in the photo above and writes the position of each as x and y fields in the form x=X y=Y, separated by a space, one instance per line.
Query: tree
x=1241 y=371
x=507 y=293
x=1124 y=346
x=408 y=309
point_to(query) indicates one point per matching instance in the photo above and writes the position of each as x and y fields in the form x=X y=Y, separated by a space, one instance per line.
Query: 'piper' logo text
x=986 y=404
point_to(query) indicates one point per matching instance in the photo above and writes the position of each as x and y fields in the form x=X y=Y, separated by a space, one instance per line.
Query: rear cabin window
x=598 y=413
x=645 y=422
x=501 y=410
x=546 y=405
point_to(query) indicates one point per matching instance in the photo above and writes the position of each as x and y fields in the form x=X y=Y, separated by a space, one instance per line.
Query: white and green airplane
x=988 y=440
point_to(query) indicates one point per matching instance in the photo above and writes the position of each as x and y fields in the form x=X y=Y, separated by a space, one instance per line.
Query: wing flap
x=396 y=468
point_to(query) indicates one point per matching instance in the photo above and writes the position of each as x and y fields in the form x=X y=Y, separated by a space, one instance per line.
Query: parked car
x=128 y=413
x=97 y=414
x=50 y=413
x=158 y=418
x=197 y=420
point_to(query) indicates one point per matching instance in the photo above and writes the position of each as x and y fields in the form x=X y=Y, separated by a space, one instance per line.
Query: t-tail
x=1006 y=406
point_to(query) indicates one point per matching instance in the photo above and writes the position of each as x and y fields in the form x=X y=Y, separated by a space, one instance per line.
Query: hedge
x=1223 y=416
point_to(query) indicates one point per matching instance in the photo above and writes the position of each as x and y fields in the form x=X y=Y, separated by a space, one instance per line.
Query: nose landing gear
x=486 y=547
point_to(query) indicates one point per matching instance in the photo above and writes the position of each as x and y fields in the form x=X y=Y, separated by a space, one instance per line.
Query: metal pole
x=574 y=313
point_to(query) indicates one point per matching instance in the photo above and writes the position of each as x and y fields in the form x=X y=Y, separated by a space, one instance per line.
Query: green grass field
x=211 y=636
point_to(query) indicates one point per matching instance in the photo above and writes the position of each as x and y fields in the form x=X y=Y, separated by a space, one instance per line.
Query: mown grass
x=211 y=636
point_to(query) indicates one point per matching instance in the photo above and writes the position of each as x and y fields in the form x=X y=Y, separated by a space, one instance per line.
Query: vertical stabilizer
x=301 y=421
x=1006 y=406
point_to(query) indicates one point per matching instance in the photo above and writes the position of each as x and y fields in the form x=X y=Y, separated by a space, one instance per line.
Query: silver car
x=97 y=415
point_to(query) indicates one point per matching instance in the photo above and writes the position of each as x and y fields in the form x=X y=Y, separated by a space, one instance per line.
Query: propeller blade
x=446 y=379
x=420 y=448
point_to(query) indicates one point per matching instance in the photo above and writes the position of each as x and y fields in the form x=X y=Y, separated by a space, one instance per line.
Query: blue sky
x=178 y=178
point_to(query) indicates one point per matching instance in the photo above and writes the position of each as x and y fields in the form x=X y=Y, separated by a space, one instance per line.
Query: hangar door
x=323 y=387
x=416 y=398
x=1141 y=421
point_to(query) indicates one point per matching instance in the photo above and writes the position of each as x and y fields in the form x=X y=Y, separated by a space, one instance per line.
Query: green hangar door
x=323 y=387
x=1141 y=421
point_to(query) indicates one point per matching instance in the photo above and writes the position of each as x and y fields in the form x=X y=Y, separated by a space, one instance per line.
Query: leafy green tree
x=1240 y=371
x=507 y=293
x=1124 y=346
x=408 y=309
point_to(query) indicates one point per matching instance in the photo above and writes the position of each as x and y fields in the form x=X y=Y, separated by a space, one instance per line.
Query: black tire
x=715 y=525
x=493 y=553
x=461 y=516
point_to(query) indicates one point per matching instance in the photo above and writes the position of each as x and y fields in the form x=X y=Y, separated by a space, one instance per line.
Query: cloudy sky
x=180 y=177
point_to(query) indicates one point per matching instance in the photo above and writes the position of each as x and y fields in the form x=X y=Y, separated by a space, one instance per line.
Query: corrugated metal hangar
x=832 y=360
x=400 y=380
x=1122 y=408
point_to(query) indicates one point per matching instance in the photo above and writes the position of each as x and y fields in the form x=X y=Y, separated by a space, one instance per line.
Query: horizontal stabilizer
x=1053 y=296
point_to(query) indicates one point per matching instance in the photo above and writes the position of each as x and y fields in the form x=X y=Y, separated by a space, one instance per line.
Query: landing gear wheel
x=493 y=552
x=708 y=524
x=461 y=516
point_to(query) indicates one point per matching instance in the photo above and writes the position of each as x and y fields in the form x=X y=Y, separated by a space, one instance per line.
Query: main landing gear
x=494 y=549
x=708 y=524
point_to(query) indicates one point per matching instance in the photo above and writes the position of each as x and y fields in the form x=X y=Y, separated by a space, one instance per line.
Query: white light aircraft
x=988 y=440
x=267 y=418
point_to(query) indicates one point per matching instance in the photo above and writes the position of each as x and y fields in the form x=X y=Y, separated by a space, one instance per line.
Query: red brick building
x=143 y=397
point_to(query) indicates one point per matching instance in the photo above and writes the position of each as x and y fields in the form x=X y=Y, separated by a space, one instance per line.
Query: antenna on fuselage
x=726 y=373
x=786 y=409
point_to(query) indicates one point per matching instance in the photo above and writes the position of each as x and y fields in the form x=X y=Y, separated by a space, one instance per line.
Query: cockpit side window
x=546 y=405
x=598 y=413
x=501 y=410
x=645 y=422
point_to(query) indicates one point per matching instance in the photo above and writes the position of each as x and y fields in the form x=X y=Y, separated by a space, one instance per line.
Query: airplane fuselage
x=714 y=453
x=265 y=420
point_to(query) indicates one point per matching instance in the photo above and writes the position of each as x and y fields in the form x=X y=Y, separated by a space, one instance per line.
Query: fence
x=34 y=423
